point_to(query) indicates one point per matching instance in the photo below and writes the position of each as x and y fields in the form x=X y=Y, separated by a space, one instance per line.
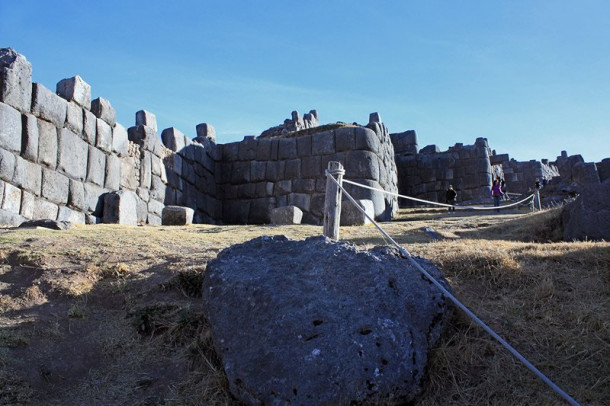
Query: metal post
x=332 y=202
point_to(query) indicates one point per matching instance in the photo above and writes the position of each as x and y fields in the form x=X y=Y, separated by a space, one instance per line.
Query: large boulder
x=588 y=216
x=317 y=322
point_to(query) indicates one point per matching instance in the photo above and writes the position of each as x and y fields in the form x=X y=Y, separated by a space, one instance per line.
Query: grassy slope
x=112 y=315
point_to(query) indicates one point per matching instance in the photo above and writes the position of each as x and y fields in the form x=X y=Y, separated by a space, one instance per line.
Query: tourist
x=451 y=197
x=504 y=188
x=496 y=192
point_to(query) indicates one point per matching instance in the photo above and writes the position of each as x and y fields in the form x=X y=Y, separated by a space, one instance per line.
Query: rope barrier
x=441 y=204
x=459 y=304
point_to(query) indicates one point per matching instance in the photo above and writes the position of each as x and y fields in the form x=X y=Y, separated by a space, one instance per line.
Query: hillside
x=112 y=315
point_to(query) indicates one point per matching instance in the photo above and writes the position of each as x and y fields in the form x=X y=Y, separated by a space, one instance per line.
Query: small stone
x=177 y=216
x=286 y=215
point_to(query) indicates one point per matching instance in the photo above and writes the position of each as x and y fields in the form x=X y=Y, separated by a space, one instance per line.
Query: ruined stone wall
x=428 y=174
x=259 y=174
x=521 y=177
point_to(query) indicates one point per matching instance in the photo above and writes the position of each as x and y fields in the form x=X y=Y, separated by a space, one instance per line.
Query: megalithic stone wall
x=521 y=177
x=428 y=174
x=257 y=175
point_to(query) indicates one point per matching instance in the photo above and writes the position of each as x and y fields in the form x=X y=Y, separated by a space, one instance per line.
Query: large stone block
x=366 y=139
x=29 y=145
x=177 y=216
x=104 y=110
x=263 y=149
x=293 y=169
x=362 y=164
x=323 y=143
x=301 y=200
x=72 y=155
x=113 y=172
x=15 y=80
x=76 y=195
x=146 y=169
x=73 y=216
x=89 y=127
x=11 y=201
x=130 y=174
x=240 y=172
x=345 y=139
x=158 y=189
x=173 y=139
x=10 y=128
x=74 y=118
x=27 y=175
x=405 y=142
x=247 y=149
x=205 y=130
x=45 y=210
x=351 y=216
x=75 y=89
x=304 y=145
x=146 y=118
x=96 y=166
x=28 y=201
x=287 y=148
x=286 y=215
x=104 y=136
x=155 y=207
x=120 y=140
x=48 y=105
x=94 y=199
x=147 y=138
x=121 y=208
x=311 y=167
x=7 y=165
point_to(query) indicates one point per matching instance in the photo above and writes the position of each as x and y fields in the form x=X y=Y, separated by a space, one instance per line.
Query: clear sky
x=531 y=76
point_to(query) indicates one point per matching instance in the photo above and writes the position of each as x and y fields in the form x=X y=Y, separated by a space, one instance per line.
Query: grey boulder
x=588 y=216
x=317 y=322
x=177 y=216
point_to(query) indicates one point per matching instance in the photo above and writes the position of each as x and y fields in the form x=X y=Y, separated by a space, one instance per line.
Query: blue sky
x=533 y=77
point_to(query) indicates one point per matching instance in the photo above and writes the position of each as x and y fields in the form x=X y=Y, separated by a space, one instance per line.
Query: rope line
x=441 y=204
x=459 y=304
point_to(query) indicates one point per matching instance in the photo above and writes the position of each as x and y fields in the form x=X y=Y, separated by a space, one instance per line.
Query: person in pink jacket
x=496 y=192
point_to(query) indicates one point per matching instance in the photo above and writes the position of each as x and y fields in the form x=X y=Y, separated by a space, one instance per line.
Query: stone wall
x=259 y=174
x=521 y=177
x=428 y=174
x=293 y=124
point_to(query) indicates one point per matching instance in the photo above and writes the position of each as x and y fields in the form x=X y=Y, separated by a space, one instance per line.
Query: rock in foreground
x=588 y=217
x=316 y=322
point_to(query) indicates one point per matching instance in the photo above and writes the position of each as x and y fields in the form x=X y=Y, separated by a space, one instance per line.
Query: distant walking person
x=451 y=197
x=496 y=192
x=504 y=190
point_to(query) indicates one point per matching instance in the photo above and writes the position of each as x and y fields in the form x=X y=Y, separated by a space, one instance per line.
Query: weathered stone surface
x=158 y=189
x=366 y=139
x=89 y=127
x=287 y=148
x=146 y=118
x=75 y=89
x=94 y=199
x=48 y=105
x=323 y=143
x=113 y=172
x=405 y=142
x=365 y=318
x=153 y=220
x=173 y=139
x=146 y=170
x=177 y=216
x=76 y=195
x=11 y=200
x=362 y=164
x=96 y=166
x=104 y=136
x=374 y=118
x=351 y=216
x=286 y=215
x=146 y=137
x=104 y=110
x=130 y=174
x=156 y=208
x=205 y=130
x=29 y=144
x=345 y=139
x=47 y=223
x=15 y=80
x=70 y=216
x=120 y=140
x=10 y=219
x=45 y=210
x=55 y=186
x=72 y=155
x=74 y=118
x=120 y=208
x=10 y=128
x=28 y=201
x=588 y=217
x=7 y=165
x=27 y=175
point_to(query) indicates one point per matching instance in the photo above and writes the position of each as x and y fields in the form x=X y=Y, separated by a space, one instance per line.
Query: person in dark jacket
x=451 y=197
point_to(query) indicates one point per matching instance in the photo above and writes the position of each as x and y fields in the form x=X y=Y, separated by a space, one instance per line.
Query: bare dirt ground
x=112 y=315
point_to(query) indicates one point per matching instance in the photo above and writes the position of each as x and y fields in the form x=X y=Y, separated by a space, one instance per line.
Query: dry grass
x=112 y=315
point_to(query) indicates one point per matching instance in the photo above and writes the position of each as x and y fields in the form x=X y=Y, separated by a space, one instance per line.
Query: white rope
x=441 y=204
x=459 y=304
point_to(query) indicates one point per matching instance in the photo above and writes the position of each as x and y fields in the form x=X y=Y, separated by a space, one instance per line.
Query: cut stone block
x=76 y=195
x=351 y=216
x=153 y=220
x=146 y=170
x=177 y=216
x=47 y=144
x=155 y=207
x=73 y=153
x=89 y=127
x=45 y=210
x=94 y=199
x=104 y=110
x=29 y=145
x=205 y=130
x=113 y=172
x=120 y=208
x=7 y=165
x=12 y=198
x=130 y=175
x=74 y=118
x=75 y=89
x=55 y=186
x=15 y=80
x=120 y=140
x=104 y=136
x=72 y=216
x=286 y=215
x=10 y=128
x=147 y=138
x=173 y=139
x=27 y=204
x=96 y=166
x=146 y=118
x=48 y=105
x=27 y=175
